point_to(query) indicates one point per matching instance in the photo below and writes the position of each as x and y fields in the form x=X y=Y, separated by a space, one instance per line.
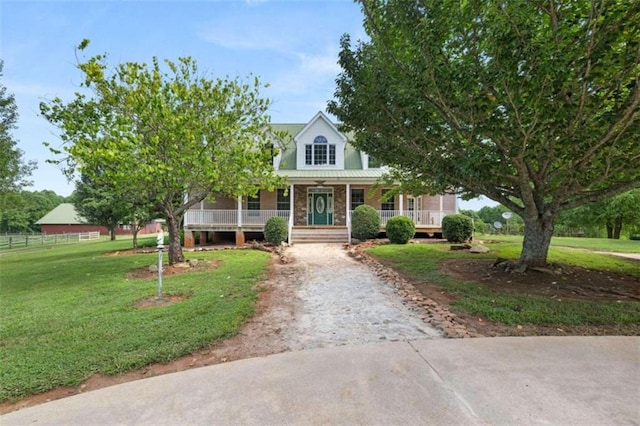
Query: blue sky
x=291 y=45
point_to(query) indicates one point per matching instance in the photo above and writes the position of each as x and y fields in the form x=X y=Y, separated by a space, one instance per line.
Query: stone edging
x=428 y=309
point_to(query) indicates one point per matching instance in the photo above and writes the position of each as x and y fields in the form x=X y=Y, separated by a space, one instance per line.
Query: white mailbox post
x=160 y=241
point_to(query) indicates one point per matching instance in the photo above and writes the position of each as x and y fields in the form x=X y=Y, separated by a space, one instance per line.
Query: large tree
x=14 y=171
x=533 y=104
x=166 y=133
x=100 y=204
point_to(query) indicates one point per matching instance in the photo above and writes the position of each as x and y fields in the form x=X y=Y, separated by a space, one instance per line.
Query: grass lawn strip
x=421 y=262
x=68 y=312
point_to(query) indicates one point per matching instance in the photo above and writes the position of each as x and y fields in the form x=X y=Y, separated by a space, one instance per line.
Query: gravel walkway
x=341 y=301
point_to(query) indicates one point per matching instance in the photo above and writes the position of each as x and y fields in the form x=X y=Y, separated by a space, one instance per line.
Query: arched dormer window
x=320 y=153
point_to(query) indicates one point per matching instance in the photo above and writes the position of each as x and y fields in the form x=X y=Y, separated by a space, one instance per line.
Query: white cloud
x=229 y=35
x=319 y=64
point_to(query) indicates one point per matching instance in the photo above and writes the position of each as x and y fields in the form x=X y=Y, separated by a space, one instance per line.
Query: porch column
x=189 y=240
x=291 y=203
x=441 y=209
x=239 y=231
x=401 y=199
x=348 y=211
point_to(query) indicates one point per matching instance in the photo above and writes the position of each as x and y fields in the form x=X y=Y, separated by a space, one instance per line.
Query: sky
x=291 y=45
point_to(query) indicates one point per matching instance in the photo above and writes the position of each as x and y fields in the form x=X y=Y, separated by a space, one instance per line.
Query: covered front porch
x=320 y=206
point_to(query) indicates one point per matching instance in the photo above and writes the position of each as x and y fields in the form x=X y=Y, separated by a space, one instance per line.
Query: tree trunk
x=537 y=237
x=112 y=233
x=135 y=237
x=617 y=227
x=175 y=248
x=609 y=230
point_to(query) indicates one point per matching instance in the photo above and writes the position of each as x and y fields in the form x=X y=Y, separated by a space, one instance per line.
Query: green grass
x=421 y=262
x=595 y=244
x=67 y=312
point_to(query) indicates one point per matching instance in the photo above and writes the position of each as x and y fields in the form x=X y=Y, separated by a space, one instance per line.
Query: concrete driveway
x=498 y=381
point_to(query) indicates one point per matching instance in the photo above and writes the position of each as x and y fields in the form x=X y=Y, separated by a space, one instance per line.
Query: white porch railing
x=260 y=217
x=420 y=218
x=230 y=217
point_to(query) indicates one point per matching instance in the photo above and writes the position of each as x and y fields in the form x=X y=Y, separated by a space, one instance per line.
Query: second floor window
x=320 y=153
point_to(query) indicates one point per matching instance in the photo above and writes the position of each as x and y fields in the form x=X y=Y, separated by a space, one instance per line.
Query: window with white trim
x=320 y=153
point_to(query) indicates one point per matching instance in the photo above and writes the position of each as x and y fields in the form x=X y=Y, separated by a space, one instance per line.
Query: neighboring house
x=327 y=179
x=65 y=220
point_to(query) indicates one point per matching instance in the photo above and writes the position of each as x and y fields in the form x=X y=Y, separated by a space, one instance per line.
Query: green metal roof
x=352 y=158
x=332 y=175
x=291 y=128
x=64 y=214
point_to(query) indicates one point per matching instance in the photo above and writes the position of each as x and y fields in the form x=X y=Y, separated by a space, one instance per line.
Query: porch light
x=319 y=183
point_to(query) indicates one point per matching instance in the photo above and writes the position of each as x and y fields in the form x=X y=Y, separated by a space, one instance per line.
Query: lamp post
x=160 y=242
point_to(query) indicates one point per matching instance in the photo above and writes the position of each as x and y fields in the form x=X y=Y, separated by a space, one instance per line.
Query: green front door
x=320 y=209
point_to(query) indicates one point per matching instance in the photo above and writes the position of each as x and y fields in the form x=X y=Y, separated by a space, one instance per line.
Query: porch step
x=332 y=234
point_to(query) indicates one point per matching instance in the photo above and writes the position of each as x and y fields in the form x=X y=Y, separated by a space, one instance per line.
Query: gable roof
x=64 y=214
x=321 y=116
x=352 y=158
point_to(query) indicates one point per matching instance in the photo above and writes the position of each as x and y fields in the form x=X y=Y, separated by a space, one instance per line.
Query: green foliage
x=532 y=104
x=68 y=312
x=400 y=229
x=164 y=130
x=99 y=204
x=457 y=228
x=24 y=208
x=276 y=230
x=13 y=169
x=365 y=223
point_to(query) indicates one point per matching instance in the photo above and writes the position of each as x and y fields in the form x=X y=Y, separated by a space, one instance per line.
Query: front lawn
x=69 y=312
x=601 y=296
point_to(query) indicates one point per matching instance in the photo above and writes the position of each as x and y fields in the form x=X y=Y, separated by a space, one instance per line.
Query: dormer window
x=320 y=153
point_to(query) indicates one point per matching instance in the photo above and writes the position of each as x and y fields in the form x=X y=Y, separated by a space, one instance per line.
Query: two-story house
x=327 y=179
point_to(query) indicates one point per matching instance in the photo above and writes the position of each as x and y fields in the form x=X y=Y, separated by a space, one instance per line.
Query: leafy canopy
x=533 y=104
x=526 y=103
x=166 y=134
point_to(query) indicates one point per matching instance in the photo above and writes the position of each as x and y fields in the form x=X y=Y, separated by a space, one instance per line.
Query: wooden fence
x=31 y=240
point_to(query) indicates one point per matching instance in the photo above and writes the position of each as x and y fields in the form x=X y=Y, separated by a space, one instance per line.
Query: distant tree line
x=613 y=218
x=20 y=210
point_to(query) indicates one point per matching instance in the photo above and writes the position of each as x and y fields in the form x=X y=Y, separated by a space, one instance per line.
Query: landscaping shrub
x=457 y=228
x=365 y=222
x=400 y=229
x=275 y=230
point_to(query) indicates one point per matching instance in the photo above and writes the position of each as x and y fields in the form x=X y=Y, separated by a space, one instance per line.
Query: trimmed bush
x=275 y=230
x=400 y=229
x=365 y=223
x=457 y=228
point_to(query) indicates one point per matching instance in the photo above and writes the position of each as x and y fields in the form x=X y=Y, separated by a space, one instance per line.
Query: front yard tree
x=167 y=133
x=100 y=204
x=534 y=104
